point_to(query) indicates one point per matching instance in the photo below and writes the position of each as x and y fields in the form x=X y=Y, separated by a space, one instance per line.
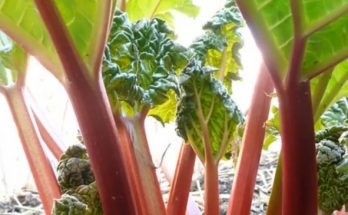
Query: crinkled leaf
x=337 y=114
x=141 y=64
x=84 y=20
x=325 y=25
x=76 y=180
x=329 y=152
x=332 y=174
x=89 y=195
x=163 y=9
x=69 y=205
x=13 y=61
x=331 y=133
x=205 y=106
x=219 y=46
x=343 y=140
x=74 y=168
x=331 y=189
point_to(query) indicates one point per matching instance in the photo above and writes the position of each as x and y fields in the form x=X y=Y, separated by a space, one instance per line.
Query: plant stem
x=250 y=153
x=180 y=186
x=275 y=201
x=94 y=116
x=123 y=6
x=41 y=169
x=50 y=139
x=223 y=64
x=211 y=182
x=128 y=153
x=211 y=188
x=150 y=185
x=299 y=176
x=103 y=147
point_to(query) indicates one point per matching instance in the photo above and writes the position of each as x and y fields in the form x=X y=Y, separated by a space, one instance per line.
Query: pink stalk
x=249 y=157
x=180 y=185
x=93 y=112
x=145 y=167
x=41 y=169
x=140 y=168
x=52 y=141
x=133 y=173
x=49 y=138
x=211 y=188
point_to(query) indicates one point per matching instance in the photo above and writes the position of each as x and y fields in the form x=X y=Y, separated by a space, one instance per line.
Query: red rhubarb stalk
x=249 y=157
x=299 y=175
x=40 y=166
x=93 y=112
x=180 y=186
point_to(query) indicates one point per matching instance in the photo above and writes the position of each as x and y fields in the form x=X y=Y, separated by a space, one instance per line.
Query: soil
x=27 y=202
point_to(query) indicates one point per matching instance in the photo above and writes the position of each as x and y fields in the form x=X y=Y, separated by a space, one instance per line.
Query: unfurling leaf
x=219 y=46
x=206 y=113
x=141 y=64
x=74 y=168
x=76 y=179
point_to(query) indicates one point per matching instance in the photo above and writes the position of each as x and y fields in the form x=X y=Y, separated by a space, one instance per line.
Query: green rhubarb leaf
x=84 y=20
x=206 y=115
x=140 y=66
x=21 y=21
x=163 y=9
x=13 y=61
x=334 y=88
x=166 y=111
x=337 y=114
x=322 y=24
x=219 y=46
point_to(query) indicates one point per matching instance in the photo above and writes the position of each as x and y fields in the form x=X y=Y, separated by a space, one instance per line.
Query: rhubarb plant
x=207 y=118
x=69 y=40
x=304 y=49
x=299 y=43
x=139 y=72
